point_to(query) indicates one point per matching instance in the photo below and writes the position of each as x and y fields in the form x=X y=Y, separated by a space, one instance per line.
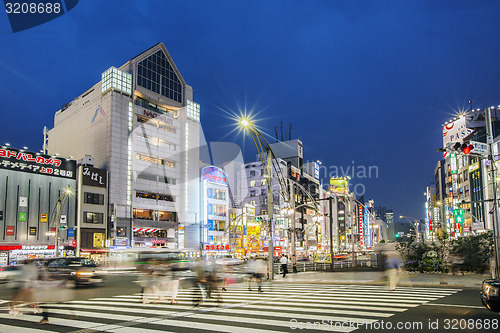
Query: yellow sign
x=43 y=218
x=339 y=185
x=253 y=234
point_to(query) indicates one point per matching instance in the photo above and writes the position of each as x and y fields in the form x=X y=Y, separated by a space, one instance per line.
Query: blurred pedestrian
x=23 y=288
x=284 y=264
x=294 y=264
x=392 y=268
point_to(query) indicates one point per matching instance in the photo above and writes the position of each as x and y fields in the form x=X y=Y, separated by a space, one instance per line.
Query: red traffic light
x=466 y=149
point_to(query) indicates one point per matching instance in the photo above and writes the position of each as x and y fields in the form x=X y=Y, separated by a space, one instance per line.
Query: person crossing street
x=284 y=262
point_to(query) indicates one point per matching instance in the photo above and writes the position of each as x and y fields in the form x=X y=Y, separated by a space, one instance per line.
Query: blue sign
x=214 y=175
x=71 y=232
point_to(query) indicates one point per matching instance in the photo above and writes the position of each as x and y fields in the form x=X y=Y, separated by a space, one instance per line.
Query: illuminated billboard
x=455 y=131
x=339 y=185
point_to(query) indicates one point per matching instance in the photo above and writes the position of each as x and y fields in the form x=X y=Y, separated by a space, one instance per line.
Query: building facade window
x=155 y=160
x=94 y=218
x=219 y=194
x=263 y=182
x=143 y=214
x=219 y=210
x=252 y=193
x=252 y=173
x=152 y=195
x=166 y=216
x=155 y=73
x=252 y=183
x=93 y=198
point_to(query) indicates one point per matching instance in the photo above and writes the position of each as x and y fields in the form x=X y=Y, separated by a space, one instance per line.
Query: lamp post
x=55 y=219
x=415 y=223
x=266 y=157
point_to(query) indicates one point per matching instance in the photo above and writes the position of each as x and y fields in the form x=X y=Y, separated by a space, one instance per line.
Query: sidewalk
x=407 y=279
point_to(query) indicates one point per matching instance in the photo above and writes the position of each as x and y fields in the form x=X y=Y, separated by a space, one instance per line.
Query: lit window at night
x=117 y=80
x=193 y=111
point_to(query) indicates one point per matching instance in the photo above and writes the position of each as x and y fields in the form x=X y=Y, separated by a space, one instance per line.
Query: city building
x=92 y=210
x=31 y=184
x=215 y=210
x=140 y=123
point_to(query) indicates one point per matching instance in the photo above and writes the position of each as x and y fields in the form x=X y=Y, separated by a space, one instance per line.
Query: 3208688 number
x=32 y=8
x=471 y=324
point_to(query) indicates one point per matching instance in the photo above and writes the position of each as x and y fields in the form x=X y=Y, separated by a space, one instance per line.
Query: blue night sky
x=364 y=83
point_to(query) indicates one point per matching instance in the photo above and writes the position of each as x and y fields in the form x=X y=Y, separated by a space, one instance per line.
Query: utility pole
x=292 y=225
x=270 y=211
x=330 y=199
x=489 y=141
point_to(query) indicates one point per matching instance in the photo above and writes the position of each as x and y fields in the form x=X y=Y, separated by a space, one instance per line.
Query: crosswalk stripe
x=288 y=315
x=18 y=329
x=56 y=321
x=173 y=312
x=344 y=305
x=304 y=299
x=277 y=323
x=264 y=295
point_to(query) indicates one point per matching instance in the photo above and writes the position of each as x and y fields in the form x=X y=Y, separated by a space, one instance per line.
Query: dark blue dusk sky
x=365 y=83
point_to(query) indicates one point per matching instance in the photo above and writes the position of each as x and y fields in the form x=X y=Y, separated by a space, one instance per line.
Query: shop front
x=17 y=253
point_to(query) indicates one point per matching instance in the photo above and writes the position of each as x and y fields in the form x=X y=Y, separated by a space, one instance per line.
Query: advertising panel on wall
x=455 y=131
x=253 y=235
x=19 y=160
x=339 y=185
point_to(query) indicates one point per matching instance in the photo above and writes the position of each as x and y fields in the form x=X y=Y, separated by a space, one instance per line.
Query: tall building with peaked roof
x=140 y=123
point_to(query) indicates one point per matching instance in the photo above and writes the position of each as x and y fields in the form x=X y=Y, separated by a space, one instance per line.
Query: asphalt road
x=283 y=307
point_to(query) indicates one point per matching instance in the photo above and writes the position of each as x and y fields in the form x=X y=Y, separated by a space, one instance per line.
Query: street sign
x=480 y=148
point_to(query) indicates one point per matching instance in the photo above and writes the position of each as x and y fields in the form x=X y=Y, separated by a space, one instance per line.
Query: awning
x=145 y=229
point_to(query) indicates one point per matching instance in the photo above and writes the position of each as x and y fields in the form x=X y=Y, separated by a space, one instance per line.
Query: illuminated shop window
x=155 y=160
x=94 y=218
x=143 y=214
x=117 y=80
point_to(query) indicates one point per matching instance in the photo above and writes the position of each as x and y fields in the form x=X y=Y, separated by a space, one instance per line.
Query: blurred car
x=9 y=273
x=227 y=259
x=490 y=294
x=76 y=270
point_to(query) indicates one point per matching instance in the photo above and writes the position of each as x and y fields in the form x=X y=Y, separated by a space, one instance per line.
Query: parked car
x=490 y=294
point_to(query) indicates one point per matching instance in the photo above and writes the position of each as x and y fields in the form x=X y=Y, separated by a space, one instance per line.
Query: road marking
x=456 y=305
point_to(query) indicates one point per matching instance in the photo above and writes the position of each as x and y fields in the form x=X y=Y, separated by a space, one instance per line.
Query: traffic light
x=457 y=148
x=459 y=215
x=466 y=148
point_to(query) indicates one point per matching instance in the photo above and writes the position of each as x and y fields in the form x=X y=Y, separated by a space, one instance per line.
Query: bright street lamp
x=415 y=223
x=55 y=218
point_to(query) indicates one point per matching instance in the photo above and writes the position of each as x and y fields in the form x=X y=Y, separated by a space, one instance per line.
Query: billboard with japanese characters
x=24 y=161
x=94 y=177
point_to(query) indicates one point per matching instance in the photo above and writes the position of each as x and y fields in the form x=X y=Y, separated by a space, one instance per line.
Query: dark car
x=76 y=270
x=490 y=294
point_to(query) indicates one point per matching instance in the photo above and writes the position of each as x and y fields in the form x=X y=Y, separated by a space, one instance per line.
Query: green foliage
x=433 y=257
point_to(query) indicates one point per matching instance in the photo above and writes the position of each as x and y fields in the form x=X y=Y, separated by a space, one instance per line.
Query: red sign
x=361 y=234
x=10 y=247
x=73 y=243
x=10 y=230
x=217 y=247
